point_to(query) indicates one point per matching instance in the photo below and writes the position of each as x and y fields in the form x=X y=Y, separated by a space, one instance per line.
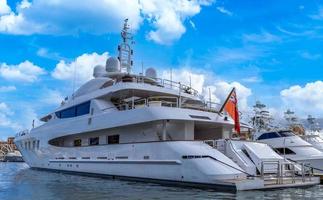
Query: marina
x=145 y=100
x=164 y=127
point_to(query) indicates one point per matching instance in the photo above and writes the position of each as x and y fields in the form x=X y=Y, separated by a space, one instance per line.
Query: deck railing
x=166 y=101
x=180 y=87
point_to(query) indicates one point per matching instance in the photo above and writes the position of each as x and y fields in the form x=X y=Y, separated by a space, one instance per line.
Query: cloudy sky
x=269 y=50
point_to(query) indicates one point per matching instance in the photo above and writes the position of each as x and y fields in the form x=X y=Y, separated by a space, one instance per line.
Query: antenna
x=171 y=78
x=210 y=96
x=124 y=48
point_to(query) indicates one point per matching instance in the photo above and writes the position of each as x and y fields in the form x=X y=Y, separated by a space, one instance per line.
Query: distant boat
x=14 y=156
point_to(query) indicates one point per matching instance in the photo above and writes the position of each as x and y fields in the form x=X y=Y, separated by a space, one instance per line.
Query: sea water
x=19 y=182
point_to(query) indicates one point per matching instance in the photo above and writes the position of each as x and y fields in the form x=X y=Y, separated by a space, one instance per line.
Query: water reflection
x=18 y=182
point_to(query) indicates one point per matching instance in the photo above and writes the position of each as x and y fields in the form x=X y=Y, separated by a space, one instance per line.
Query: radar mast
x=124 y=48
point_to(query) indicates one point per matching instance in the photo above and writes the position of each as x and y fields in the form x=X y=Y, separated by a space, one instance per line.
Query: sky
x=271 y=51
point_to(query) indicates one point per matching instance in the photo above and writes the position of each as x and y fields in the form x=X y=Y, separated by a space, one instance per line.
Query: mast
x=124 y=48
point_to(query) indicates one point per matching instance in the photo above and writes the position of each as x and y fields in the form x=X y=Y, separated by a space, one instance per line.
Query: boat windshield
x=286 y=133
x=271 y=135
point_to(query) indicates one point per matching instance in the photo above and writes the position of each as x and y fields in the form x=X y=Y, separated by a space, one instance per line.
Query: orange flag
x=231 y=106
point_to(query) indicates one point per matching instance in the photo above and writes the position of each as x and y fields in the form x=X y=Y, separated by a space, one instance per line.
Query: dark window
x=286 y=133
x=283 y=151
x=83 y=109
x=94 y=141
x=74 y=111
x=268 y=136
x=70 y=112
x=77 y=142
x=113 y=139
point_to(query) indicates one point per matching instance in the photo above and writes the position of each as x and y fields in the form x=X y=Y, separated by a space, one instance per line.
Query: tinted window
x=74 y=111
x=286 y=133
x=70 y=112
x=283 y=151
x=77 y=142
x=268 y=136
x=94 y=141
x=83 y=109
x=113 y=139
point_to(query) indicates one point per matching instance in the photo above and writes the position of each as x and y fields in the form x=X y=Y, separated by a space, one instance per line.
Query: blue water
x=18 y=182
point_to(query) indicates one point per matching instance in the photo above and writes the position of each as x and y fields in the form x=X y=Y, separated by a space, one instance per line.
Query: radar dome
x=113 y=65
x=99 y=71
x=151 y=73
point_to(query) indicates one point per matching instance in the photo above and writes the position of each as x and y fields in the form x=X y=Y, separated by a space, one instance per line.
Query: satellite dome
x=151 y=73
x=99 y=71
x=113 y=65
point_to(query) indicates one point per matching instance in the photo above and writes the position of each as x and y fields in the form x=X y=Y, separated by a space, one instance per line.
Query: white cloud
x=310 y=56
x=203 y=83
x=186 y=77
x=306 y=100
x=52 y=97
x=4 y=8
x=263 y=37
x=63 y=17
x=7 y=88
x=224 y=11
x=25 y=72
x=81 y=68
x=168 y=17
x=252 y=79
x=5 y=114
x=223 y=88
x=318 y=15
x=247 y=53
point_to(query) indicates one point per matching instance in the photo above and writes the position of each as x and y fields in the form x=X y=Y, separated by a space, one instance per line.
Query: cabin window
x=74 y=111
x=70 y=112
x=77 y=142
x=283 y=151
x=113 y=139
x=270 y=135
x=34 y=144
x=83 y=109
x=25 y=145
x=94 y=141
x=37 y=144
x=286 y=133
x=29 y=146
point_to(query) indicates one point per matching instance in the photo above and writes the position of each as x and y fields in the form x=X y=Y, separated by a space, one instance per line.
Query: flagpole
x=227 y=99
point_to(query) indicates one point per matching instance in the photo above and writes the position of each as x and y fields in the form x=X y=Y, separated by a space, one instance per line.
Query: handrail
x=161 y=82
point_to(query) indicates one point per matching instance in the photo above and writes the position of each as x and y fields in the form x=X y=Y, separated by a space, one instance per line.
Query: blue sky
x=270 y=50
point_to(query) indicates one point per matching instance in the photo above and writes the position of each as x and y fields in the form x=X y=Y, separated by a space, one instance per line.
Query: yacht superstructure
x=121 y=124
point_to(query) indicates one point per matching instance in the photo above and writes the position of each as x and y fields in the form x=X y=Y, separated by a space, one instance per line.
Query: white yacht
x=287 y=144
x=139 y=127
x=313 y=133
x=309 y=133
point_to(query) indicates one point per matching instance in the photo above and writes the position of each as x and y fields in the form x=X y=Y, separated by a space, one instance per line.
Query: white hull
x=157 y=160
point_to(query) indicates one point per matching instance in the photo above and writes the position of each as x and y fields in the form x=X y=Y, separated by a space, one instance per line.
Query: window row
x=112 y=139
x=30 y=145
x=78 y=110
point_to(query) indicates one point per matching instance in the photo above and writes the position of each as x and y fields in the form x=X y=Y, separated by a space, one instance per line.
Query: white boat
x=14 y=156
x=294 y=148
x=287 y=144
x=313 y=133
x=139 y=127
